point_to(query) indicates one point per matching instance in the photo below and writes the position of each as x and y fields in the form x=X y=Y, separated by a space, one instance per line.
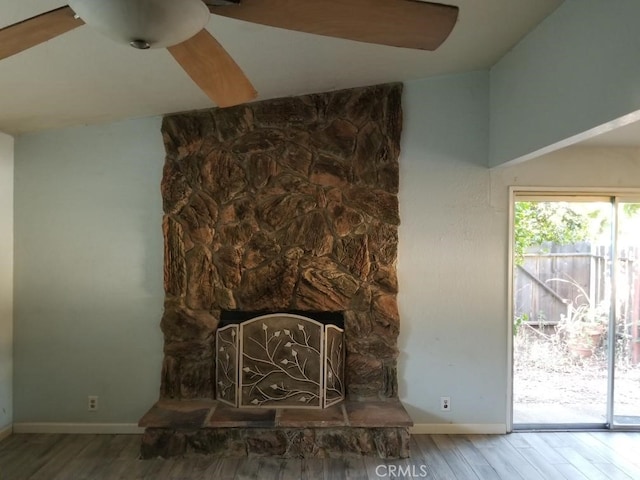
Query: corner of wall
x=6 y=432
x=6 y=284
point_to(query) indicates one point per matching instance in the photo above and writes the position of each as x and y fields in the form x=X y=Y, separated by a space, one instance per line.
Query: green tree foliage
x=631 y=209
x=538 y=222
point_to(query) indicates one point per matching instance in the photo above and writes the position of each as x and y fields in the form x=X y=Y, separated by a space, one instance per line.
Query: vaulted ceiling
x=83 y=78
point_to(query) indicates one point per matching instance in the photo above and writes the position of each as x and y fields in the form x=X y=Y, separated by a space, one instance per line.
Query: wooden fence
x=554 y=278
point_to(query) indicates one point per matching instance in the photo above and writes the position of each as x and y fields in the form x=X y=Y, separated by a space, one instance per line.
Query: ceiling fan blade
x=398 y=23
x=36 y=30
x=213 y=70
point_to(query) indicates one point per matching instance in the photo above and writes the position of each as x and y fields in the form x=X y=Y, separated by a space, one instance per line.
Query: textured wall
x=288 y=204
x=88 y=272
x=452 y=260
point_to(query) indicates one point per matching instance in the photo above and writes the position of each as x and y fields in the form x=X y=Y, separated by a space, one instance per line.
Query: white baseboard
x=5 y=432
x=459 y=428
x=79 y=428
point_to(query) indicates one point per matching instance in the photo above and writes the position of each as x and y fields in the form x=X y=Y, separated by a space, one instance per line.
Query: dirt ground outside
x=554 y=385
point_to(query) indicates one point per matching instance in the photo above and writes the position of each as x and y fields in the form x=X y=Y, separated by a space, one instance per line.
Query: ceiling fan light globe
x=159 y=23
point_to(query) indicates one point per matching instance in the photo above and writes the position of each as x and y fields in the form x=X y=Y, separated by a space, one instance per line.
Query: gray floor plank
x=426 y=452
x=610 y=454
x=254 y=469
x=539 y=461
x=484 y=440
x=28 y=455
x=57 y=458
x=11 y=447
x=290 y=469
x=525 y=467
x=443 y=459
x=312 y=469
x=612 y=472
x=516 y=439
x=570 y=472
x=540 y=442
x=512 y=463
x=575 y=458
x=526 y=456
x=102 y=452
x=468 y=450
x=226 y=469
x=625 y=445
x=473 y=456
x=334 y=469
x=354 y=468
x=585 y=445
x=95 y=454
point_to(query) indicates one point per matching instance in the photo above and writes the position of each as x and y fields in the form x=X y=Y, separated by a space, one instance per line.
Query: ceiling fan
x=179 y=27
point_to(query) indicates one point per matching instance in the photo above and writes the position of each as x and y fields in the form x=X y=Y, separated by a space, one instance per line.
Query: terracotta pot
x=581 y=351
x=596 y=338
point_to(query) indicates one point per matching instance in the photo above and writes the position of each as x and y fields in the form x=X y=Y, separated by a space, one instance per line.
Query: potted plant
x=583 y=326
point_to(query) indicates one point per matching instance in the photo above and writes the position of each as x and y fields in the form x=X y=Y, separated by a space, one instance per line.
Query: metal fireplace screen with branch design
x=280 y=360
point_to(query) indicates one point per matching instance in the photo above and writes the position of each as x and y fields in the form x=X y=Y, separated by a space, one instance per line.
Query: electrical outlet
x=445 y=404
x=93 y=403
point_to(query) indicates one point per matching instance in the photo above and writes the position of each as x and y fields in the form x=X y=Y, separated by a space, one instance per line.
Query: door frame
x=587 y=193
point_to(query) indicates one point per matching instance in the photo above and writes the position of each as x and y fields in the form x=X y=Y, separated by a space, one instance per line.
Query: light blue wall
x=577 y=71
x=6 y=280
x=452 y=257
x=88 y=279
x=88 y=259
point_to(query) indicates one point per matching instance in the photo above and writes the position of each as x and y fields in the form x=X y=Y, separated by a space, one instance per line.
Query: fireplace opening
x=287 y=359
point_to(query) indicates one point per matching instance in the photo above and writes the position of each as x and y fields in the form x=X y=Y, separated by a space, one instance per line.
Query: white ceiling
x=83 y=78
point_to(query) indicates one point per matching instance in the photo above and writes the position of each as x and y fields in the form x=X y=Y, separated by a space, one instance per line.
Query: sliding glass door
x=625 y=338
x=576 y=300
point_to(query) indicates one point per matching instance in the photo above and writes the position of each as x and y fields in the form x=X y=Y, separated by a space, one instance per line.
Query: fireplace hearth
x=286 y=206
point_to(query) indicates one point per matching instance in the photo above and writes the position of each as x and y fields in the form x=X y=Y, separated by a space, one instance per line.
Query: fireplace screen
x=280 y=360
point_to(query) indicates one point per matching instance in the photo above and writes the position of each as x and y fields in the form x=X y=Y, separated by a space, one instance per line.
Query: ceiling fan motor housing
x=144 y=23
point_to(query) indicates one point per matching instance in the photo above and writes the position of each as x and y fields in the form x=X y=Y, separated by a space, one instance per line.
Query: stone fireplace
x=281 y=206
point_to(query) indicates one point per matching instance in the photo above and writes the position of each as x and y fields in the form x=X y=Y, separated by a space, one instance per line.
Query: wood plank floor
x=526 y=456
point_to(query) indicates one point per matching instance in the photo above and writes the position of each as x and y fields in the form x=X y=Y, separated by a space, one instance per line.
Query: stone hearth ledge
x=183 y=427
